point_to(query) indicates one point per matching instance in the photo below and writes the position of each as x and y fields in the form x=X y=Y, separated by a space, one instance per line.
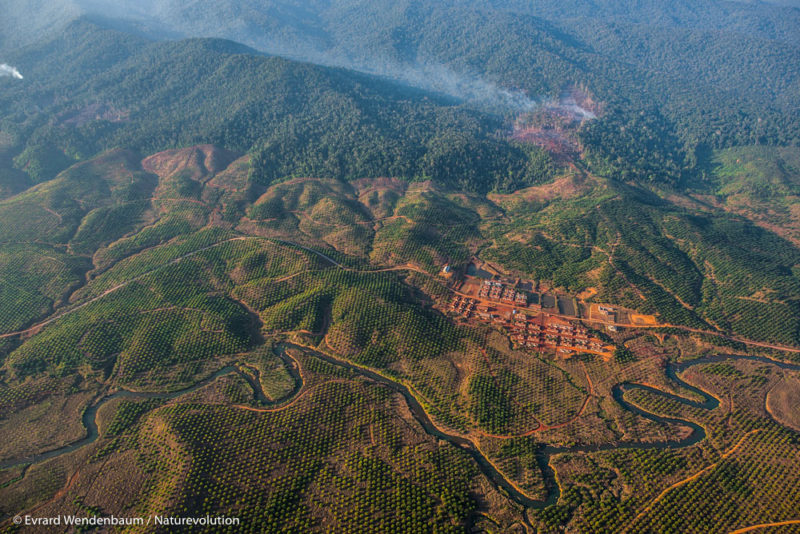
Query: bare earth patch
x=783 y=402
x=199 y=161
x=569 y=186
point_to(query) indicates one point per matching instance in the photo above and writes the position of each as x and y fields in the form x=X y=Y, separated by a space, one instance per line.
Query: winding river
x=544 y=453
x=89 y=416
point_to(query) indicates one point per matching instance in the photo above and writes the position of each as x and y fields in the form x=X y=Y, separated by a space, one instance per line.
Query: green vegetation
x=334 y=460
x=297 y=119
x=160 y=316
x=624 y=355
x=33 y=278
x=679 y=78
x=695 y=269
x=491 y=408
x=232 y=264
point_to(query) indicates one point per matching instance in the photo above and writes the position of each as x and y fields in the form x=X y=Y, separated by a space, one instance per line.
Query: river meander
x=544 y=453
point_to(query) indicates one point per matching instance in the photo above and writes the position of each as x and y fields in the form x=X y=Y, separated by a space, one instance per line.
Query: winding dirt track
x=695 y=476
x=665 y=325
x=117 y=287
x=403 y=267
x=766 y=525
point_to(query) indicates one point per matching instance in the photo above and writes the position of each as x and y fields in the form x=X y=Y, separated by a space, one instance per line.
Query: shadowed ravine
x=487 y=468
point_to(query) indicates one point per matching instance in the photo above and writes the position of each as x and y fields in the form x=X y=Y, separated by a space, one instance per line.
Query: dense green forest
x=699 y=75
x=99 y=89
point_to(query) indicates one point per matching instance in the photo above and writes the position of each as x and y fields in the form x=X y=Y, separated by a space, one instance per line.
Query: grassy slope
x=762 y=184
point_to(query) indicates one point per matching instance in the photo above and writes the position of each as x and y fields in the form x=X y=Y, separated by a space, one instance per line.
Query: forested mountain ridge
x=91 y=89
x=708 y=74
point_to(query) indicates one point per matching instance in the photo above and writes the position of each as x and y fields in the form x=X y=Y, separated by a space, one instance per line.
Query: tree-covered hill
x=695 y=60
x=752 y=19
x=674 y=79
x=91 y=89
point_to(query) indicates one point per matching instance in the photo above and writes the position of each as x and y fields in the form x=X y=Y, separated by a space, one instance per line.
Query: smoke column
x=8 y=70
x=430 y=76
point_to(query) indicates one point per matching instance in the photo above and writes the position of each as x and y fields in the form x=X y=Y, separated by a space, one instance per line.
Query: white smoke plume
x=468 y=87
x=568 y=104
x=426 y=75
x=8 y=70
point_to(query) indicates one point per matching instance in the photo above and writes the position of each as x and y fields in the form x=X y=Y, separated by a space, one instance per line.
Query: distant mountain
x=755 y=19
x=700 y=63
x=25 y=22
x=91 y=89
x=674 y=79
x=785 y=3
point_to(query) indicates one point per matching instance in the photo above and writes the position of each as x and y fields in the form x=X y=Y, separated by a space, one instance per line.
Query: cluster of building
x=504 y=303
x=607 y=312
x=463 y=306
x=494 y=290
x=534 y=332
x=554 y=334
